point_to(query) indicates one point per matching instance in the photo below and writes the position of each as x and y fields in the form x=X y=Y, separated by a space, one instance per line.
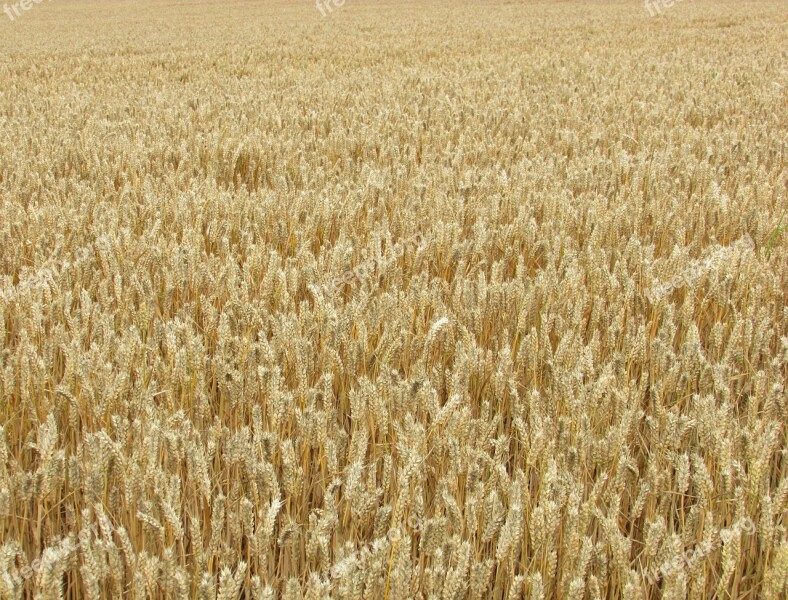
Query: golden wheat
x=411 y=300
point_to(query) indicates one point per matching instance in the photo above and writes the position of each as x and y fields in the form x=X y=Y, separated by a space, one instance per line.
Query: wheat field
x=434 y=300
